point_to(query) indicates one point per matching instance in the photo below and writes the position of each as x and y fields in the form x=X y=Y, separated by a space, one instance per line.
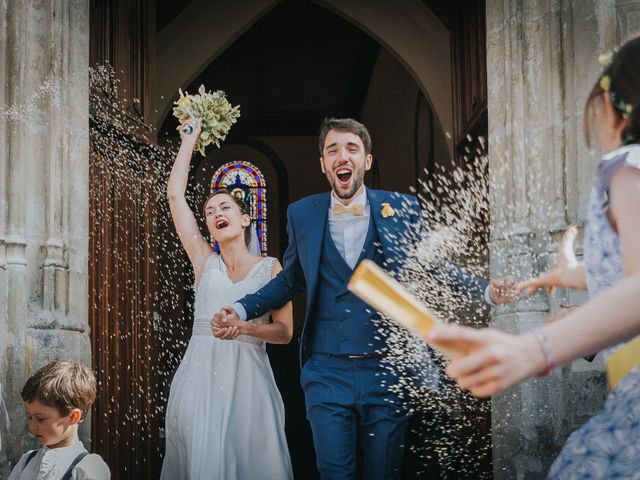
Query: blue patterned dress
x=608 y=445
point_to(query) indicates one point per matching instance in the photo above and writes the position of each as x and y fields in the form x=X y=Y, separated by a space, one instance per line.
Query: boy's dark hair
x=624 y=89
x=238 y=201
x=62 y=385
x=344 y=125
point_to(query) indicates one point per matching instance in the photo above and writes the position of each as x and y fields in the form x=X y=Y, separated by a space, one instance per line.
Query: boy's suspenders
x=76 y=461
x=69 y=472
x=30 y=457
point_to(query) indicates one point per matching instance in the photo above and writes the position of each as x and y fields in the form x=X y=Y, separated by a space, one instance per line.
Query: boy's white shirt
x=52 y=463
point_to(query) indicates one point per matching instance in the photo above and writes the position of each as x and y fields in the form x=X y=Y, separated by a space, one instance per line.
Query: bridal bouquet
x=213 y=109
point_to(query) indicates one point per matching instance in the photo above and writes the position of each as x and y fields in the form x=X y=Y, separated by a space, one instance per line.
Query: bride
x=225 y=416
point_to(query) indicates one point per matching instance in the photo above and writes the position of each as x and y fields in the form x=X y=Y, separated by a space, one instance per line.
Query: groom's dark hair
x=345 y=125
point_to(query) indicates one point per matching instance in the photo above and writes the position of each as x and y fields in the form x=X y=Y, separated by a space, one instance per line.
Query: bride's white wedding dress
x=225 y=417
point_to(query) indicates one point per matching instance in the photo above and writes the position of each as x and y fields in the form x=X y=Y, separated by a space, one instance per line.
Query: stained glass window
x=245 y=181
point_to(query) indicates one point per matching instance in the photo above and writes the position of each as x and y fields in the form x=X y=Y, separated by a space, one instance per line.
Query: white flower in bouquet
x=214 y=111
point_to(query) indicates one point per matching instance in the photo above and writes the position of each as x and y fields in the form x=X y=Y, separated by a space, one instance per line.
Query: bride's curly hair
x=241 y=205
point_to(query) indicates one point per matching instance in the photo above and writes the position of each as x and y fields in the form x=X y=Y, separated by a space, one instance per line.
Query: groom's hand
x=224 y=324
x=503 y=290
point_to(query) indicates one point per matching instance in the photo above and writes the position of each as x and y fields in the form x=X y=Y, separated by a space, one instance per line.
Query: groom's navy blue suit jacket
x=306 y=227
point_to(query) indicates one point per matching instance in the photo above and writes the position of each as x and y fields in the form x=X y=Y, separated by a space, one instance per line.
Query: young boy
x=57 y=398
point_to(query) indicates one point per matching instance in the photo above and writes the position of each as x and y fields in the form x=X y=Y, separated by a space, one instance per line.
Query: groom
x=348 y=404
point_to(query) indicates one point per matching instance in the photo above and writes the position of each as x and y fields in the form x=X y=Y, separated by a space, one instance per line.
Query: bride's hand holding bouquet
x=212 y=109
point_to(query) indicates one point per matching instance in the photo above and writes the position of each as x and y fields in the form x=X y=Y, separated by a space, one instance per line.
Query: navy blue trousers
x=351 y=410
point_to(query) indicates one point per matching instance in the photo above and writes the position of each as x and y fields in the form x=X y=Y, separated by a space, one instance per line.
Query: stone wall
x=542 y=63
x=44 y=158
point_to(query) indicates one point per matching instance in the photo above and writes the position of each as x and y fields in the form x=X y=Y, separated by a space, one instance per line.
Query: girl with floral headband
x=608 y=445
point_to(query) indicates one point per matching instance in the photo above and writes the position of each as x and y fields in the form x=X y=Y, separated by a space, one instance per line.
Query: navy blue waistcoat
x=342 y=323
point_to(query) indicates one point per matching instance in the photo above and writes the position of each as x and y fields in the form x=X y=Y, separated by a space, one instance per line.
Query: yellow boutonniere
x=387 y=211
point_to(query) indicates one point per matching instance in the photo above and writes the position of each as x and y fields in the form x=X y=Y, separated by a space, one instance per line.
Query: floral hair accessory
x=387 y=210
x=213 y=109
x=605 y=83
x=606 y=60
x=624 y=107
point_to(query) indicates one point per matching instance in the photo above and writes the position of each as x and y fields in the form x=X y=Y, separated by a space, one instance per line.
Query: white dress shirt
x=349 y=231
x=52 y=463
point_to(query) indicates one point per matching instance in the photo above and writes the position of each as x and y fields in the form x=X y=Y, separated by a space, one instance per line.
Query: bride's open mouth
x=344 y=175
x=222 y=223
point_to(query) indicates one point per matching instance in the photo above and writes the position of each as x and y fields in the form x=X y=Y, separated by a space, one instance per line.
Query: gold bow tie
x=339 y=209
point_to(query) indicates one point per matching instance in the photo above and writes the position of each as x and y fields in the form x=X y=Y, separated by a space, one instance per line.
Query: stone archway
x=411 y=32
x=393 y=145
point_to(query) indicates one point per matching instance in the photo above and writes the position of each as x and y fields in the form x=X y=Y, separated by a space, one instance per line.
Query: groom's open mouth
x=344 y=175
x=222 y=223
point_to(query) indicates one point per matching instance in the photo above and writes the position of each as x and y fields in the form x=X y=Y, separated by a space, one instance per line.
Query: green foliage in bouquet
x=213 y=109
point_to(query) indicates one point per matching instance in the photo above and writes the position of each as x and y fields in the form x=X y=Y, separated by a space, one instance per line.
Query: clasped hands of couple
x=226 y=325
x=486 y=357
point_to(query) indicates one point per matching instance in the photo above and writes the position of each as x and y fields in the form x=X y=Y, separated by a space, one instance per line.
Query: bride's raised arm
x=197 y=247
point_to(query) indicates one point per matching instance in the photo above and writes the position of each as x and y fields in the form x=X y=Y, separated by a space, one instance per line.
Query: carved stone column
x=44 y=154
x=542 y=62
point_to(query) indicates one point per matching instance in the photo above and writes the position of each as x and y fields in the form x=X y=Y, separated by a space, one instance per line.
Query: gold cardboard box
x=377 y=288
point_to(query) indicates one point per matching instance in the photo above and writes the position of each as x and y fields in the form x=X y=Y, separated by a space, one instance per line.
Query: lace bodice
x=216 y=290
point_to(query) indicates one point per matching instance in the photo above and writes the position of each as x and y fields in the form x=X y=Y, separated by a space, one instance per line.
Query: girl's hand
x=567 y=271
x=489 y=361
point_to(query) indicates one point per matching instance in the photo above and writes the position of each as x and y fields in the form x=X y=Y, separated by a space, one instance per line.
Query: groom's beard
x=356 y=183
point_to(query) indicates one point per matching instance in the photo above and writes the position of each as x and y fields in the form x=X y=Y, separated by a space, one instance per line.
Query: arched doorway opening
x=387 y=64
x=296 y=64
